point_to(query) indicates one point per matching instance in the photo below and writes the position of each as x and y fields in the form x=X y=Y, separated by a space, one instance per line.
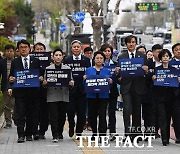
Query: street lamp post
x=105 y=27
x=33 y=32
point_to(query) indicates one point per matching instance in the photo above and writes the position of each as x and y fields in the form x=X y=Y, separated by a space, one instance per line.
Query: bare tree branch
x=117 y=7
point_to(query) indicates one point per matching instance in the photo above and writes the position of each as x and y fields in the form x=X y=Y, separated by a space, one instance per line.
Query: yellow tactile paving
x=85 y=150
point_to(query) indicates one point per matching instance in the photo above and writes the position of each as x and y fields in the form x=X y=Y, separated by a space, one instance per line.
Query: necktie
x=132 y=55
x=25 y=63
x=77 y=58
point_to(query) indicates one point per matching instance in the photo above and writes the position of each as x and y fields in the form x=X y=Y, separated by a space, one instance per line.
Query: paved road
x=8 y=144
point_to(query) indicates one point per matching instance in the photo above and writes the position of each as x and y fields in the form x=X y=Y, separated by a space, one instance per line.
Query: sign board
x=136 y=22
x=62 y=27
x=166 y=77
x=131 y=67
x=58 y=78
x=79 y=16
x=19 y=37
x=26 y=78
x=171 y=6
x=148 y=6
x=97 y=84
x=44 y=57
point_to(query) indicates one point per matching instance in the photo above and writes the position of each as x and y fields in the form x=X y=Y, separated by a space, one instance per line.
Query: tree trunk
x=97 y=32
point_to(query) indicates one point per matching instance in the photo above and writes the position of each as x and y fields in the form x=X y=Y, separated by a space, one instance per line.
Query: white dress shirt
x=75 y=57
x=28 y=61
x=134 y=52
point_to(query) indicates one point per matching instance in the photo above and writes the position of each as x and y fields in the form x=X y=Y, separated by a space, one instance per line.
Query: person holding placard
x=176 y=111
x=44 y=108
x=107 y=49
x=97 y=102
x=26 y=98
x=77 y=103
x=133 y=89
x=164 y=98
x=57 y=97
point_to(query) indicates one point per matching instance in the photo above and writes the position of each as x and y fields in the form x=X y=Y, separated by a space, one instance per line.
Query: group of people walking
x=36 y=107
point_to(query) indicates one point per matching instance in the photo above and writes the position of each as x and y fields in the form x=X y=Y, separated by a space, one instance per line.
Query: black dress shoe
x=20 y=140
x=42 y=137
x=36 y=137
x=78 y=134
x=177 y=141
x=60 y=137
x=164 y=142
x=28 y=138
x=71 y=132
x=157 y=135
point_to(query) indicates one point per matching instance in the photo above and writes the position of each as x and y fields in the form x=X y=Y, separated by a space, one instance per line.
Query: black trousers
x=27 y=115
x=57 y=117
x=112 y=101
x=176 y=117
x=98 y=107
x=77 y=104
x=164 y=110
x=149 y=113
x=132 y=105
x=43 y=112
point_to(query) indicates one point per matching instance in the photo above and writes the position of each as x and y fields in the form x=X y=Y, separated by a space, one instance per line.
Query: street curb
x=2 y=121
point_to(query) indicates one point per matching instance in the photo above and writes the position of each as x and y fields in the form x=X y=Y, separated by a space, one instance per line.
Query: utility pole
x=105 y=26
x=81 y=11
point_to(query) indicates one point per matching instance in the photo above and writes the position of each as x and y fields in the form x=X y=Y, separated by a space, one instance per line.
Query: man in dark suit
x=132 y=90
x=77 y=104
x=176 y=111
x=26 y=99
x=5 y=65
x=88 y=52
x=44 y=106
x=151 y=108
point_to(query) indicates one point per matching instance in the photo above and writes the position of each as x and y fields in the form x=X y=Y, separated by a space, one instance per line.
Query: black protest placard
x=58 y=78
x=44 y=57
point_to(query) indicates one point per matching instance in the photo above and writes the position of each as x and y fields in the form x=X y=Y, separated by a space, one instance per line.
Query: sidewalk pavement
x=9 y=145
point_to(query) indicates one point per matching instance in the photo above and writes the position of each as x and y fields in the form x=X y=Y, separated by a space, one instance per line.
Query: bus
x=164 y=34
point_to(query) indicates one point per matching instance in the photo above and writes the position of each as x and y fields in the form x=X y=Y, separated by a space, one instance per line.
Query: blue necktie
x=25 y=63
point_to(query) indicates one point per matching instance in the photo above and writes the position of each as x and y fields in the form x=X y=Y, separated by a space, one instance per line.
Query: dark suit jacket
x=3 y=72
x=177 y=90
x=139 y=83
x=78 y=81
x=25 y=92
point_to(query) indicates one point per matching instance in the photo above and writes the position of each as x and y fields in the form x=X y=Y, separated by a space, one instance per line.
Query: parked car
x=138 y=31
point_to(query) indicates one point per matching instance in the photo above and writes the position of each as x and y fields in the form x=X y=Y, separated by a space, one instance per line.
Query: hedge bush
x=54 y=45
x=4 y=41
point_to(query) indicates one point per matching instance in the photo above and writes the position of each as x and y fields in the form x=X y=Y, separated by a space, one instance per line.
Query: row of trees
x=17 y=16
x=59 y=7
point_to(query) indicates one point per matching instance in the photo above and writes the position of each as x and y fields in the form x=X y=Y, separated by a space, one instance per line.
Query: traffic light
x=106 y=32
